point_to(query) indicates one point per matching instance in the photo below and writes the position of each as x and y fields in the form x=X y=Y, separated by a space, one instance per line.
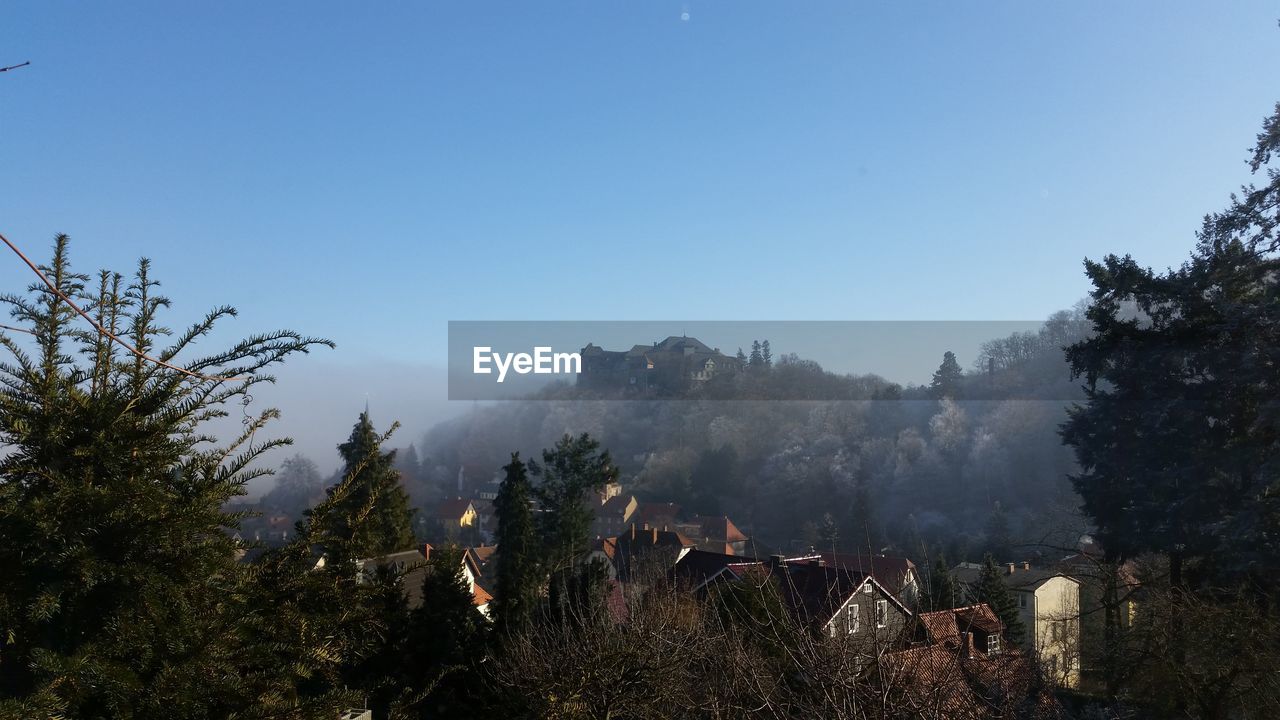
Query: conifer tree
x=999 y=538
x=943 y=592
x=574 y=468
x=946 y=379
x=122 y=596
x=372 y=515
x=742 y=357
x=447 y=638
x=757 y=357
x=519 y=567
x=766 y=355
x=992 y=590
x=1177 y=442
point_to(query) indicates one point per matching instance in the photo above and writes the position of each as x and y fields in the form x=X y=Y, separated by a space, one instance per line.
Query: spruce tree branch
x=103 y=331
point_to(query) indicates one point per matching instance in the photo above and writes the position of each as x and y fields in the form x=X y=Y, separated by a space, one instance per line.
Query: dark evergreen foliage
x=993 y=591
x=518 y=563
x=947 y=378
x=372 y=516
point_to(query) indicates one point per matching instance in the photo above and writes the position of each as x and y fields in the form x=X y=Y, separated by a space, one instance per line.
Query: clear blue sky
x=369 y=171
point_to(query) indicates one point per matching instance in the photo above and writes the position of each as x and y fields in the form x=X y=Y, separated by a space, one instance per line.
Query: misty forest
x=731 y=551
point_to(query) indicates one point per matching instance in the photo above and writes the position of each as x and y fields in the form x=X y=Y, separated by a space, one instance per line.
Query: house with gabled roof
x=977 y=621
x=715 y=533
x=613 y=515
x=834 y=601
x=657 y=514
x=642 y=550
x=1049 y=607
x=410 y=567
x=896 y=573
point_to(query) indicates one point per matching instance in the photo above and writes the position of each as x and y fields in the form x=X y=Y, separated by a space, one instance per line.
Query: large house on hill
x=673 y=365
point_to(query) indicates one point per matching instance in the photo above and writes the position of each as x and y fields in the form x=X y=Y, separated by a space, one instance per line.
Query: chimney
x=1011 y=567
x=655 y=536
x=1026 y=565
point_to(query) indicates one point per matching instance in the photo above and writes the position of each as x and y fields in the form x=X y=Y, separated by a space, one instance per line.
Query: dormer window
x=993 y=644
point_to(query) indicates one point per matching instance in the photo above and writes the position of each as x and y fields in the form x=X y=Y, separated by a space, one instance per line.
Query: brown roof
x=888 y=570
x=718 y=528
x=641 y=541
x=699 y=566
x=452 y=509
x=1021 y=577
x=813 y=590
x=617 y=506
x=816 y=591
x=484 y=553
x=480 y=596
x=951 y=680
x=650 y=512
x=944 y=625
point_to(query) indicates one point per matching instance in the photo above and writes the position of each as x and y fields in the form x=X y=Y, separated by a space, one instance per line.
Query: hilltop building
x=673 y=365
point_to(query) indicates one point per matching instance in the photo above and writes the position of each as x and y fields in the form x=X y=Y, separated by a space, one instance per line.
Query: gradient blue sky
x=369 y=171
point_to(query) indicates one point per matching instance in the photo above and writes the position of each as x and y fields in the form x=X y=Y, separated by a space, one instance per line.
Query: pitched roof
x=1016 y=576
x=649 y=512
x=944 y=625
x=814 y=590
x=616 y=506
x=480 y=596
x=949 y=679
x=698 y=566
x=639 y=542
x=718 y=528
x=453 y=508
x=888 y=570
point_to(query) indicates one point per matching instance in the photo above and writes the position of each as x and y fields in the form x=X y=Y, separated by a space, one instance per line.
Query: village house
x=613 y=515
x=453 y=517
x=960 y=667
x=411 y=568
x=659 y=515
x=896 y=573
x=1049 y=607
x=838 y=603
x=641 y=551
x=714 y=533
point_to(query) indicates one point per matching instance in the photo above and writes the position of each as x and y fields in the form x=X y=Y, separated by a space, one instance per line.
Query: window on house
x=1022 y=601
x=882 y=613
x=852 y=617
x=993 y=644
